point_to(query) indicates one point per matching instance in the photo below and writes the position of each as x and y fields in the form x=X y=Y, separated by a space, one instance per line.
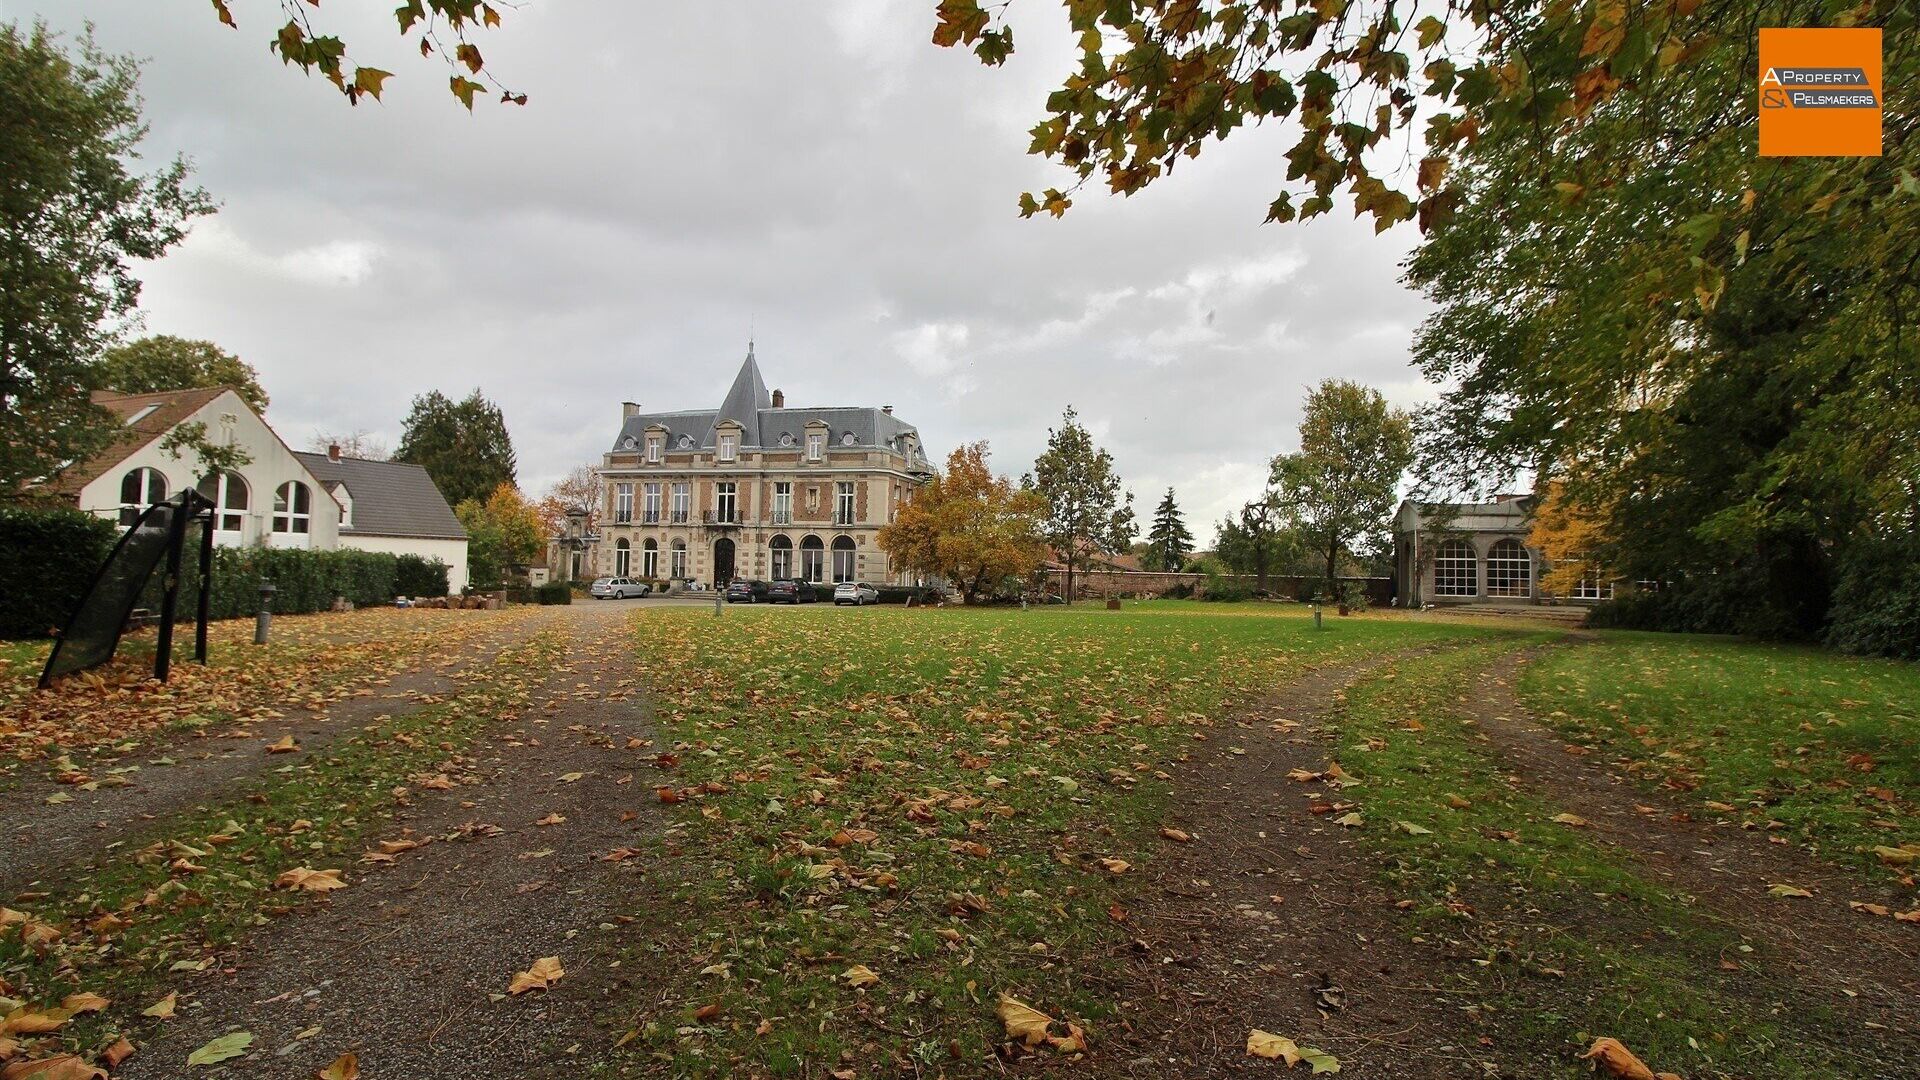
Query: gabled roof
x=169 y=408
x=389 y=498
x=750 y=405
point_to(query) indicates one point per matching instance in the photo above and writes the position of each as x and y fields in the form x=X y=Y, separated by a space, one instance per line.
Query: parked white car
x=617 y=588
x=855 y=593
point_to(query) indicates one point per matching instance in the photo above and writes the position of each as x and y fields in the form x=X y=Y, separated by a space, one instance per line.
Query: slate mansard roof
x=389 y=498
x=749 y=404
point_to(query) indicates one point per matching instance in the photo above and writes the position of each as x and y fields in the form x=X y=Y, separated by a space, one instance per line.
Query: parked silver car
x=855 y=593
x=617 y=588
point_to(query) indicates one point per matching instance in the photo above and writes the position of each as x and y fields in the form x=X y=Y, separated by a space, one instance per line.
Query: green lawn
x=191 y=884
x=1574 y=943
x=927 y=796
x=1825 y=746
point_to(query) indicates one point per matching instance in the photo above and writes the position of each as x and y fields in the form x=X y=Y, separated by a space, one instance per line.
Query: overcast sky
x=818 y=176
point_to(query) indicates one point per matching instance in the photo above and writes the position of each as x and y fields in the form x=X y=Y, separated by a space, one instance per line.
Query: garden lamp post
x=263 y=618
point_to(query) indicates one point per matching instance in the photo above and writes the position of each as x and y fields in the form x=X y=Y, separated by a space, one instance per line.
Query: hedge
x=48 y=557
x=414 y=575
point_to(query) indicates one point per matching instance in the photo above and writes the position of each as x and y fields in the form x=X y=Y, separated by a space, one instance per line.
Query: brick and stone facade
x=755 y=489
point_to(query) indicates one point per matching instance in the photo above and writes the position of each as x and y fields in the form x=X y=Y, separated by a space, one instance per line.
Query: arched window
x=140 y=489
x=782 y=549
x=229 y=494
x=1456 y=570
x=622 y=557
x=842 y=559
x=293 y=508
x=813 y=557
x=1509 y=570
x=677 y=560
x=649 y=558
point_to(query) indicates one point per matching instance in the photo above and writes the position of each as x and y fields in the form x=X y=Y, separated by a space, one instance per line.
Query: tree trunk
x=1333 y=569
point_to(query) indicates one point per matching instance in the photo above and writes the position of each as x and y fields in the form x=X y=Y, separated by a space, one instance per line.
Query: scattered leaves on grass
x=231 y=1045
x=1612 y=1056
x=61 y=1067
x=541 y=976
x=1178 y=836
x=305 y=879
x=1574 y=820
x=286 y=745
x=1033 y=1027
x=859 y=975
x=1785 y=891
x=1265 y=1044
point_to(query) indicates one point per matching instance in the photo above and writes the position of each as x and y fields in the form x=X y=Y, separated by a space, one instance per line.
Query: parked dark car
x=744 y=591
x=791 y=592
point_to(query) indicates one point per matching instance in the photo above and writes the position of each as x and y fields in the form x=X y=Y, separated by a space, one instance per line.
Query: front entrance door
x=722 y=562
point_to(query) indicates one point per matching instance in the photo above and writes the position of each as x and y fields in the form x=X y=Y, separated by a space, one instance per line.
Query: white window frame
x=650 y=505
x=623 y=503
x=783 y=502
x=288 y=518
x=149 y=484
x=1455 y=573
x=622 y=557
x=844 y=557
x=650 y=558
x=1592 y=587
x=843 y=502
x=728 y=446
x=653 y=448
x=677 y=559
x=813 y=560
x=780 y=558
x=228 y=517
x=816 y=445
x=726 y=501
x=682 y=501
x=1507 y=574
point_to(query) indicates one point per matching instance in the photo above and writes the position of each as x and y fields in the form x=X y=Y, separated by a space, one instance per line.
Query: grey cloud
x=818 y=176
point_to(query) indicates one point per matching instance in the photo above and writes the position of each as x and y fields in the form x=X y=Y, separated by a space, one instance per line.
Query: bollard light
x=263 y=618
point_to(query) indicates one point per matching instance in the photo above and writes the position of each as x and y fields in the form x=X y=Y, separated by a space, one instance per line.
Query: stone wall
x=1098 y=584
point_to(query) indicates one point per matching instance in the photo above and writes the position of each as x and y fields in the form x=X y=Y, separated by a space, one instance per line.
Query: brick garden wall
x=1105 y=583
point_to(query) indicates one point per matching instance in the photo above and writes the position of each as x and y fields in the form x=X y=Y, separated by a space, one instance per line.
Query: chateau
x=754 y=489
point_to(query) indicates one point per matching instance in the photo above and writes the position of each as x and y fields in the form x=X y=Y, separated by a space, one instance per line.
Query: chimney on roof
x=779 y=399
x=888 y=409
x=629 y=410
x=333 y=451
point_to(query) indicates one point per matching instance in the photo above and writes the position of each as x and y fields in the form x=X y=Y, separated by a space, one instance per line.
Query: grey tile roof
x=389 y=498
x=749 y=404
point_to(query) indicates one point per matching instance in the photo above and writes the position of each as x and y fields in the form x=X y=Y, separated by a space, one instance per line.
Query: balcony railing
x=651 y=517
x=713 y=517
x=842 y=518
x=783 y=517
x=623 y=517
x=679 y=517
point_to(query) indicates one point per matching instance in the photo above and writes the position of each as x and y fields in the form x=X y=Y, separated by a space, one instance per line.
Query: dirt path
x=193 y=766
x=404 y=966
x=1830 y=950
x=1272 y=919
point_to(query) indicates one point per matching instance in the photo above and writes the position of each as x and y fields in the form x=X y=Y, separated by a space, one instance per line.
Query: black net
x=132 y=577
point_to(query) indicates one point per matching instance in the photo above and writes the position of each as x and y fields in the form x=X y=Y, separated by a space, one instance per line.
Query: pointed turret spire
x=744 y=401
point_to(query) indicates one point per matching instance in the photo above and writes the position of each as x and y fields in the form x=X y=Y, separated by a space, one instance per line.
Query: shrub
x=1876 y=601
x=553 y=592
x=416 y=575
x=1226 y=592
x=48 y=557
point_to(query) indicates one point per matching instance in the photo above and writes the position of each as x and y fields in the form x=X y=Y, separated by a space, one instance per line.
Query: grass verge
x=1826 y=747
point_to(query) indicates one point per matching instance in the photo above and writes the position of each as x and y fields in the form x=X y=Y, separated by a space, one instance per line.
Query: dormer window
x=786 y=438
x=686 y=441
x=847 y=439
x=627 y=443
x=729 y=446
x=816 y=445
x=653 y=448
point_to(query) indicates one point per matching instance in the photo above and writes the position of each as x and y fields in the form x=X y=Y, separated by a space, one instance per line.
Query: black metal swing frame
x=117 y=588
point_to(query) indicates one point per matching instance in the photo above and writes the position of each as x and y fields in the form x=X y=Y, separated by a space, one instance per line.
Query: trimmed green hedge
x=415 y=575
x=48 y=557
x=553 y=592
